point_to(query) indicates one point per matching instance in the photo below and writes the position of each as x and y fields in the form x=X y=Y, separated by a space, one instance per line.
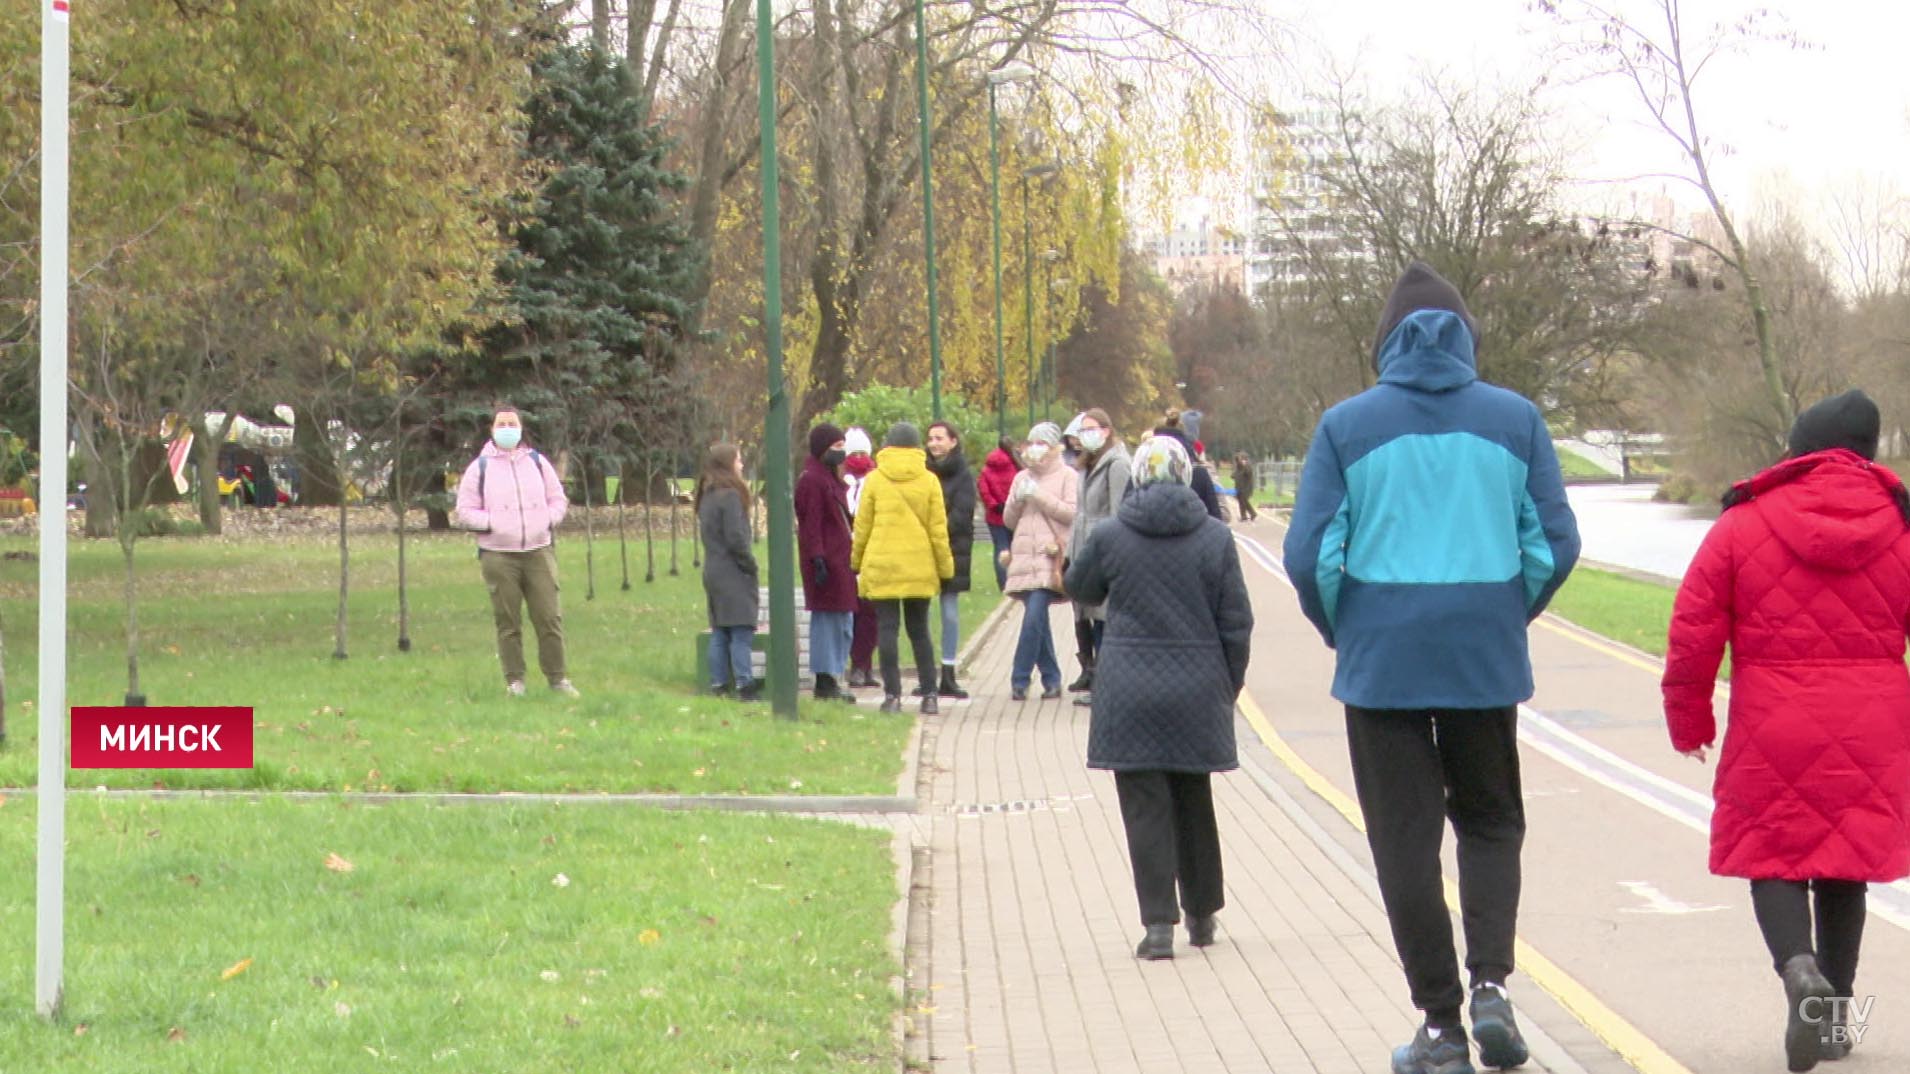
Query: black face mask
x=833 y=457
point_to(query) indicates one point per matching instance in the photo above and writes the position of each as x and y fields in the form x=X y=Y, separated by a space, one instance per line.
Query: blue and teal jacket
x=1431 y=527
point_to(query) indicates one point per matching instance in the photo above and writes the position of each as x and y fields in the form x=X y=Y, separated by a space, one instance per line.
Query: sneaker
x=563 y=686
x=1804 y=981
x=750 y=691
x=1493 y=1026
x=514 y=687
x=1084 y=700
x=931 y=707
x=892 y=703
x=1445 y=1054
x=1019 y=693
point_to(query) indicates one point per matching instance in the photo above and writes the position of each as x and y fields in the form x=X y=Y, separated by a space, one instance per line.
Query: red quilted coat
x=1808 y=579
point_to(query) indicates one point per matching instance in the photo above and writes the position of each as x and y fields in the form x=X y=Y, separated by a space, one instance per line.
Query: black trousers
x=1414 y=769
x=889 y=617
x=1785 y=909
x=1084 y=648
x=1172 y=842
x=1245 y=496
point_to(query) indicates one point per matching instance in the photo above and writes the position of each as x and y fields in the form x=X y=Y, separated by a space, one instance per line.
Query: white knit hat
x=857 y=441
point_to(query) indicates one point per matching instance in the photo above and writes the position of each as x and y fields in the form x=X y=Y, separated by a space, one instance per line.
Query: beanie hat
x=1848 y=421
x=903 y=434
x=1047 y=432
x=1161 y=458
x=821 y=437
x=1420 y=288
x=857 y=441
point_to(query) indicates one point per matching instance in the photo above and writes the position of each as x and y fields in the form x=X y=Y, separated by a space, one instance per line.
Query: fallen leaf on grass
x=190 y=880
x=550 y=975
x=337 y=864
x=560 y=881
x=175 y=1035
x=343 y=1010
x=80 y=1030
x=649 y=937
x=571 y=1022
x=235 y=969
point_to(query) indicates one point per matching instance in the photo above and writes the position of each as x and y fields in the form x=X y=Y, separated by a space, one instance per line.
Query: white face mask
x=1035 y=452
x=1094 y=439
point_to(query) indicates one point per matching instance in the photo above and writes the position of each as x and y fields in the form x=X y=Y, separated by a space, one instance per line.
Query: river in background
x=1622 y=527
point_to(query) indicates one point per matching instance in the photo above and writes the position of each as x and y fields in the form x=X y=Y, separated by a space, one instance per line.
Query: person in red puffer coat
x=998 y=476
x=1806 y=576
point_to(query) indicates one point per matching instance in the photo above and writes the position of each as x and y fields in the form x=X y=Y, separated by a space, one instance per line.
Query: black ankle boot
x=951 y=688
x=1200 y=930
x=827 y=689
x=1157 y=944
x=1803 y=983
x=1086 y=680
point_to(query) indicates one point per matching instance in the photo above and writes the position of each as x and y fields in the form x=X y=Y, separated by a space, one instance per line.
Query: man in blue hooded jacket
x=1431 y=527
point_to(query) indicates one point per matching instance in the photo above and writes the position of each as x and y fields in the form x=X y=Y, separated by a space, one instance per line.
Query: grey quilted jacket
x=1179 y=626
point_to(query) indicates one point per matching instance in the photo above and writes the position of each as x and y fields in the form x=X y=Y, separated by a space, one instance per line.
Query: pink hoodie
x=522 y=501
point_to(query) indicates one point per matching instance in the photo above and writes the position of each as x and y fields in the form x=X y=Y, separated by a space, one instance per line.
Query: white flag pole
x=50 y=905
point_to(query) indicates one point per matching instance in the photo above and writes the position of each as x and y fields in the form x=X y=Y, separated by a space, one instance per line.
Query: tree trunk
x=319 y=484
x=590 y=535
x=600 y=25
x=128 y=538
x=102 y=495
x=623 y=542
x=673 y=505
x=650 y=528
x=209 y=441
x=437 y=519
x=706 y=196
x=344 y=583
x=404 y=594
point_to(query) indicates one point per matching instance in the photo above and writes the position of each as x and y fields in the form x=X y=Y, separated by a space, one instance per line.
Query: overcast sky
x=1800 y=120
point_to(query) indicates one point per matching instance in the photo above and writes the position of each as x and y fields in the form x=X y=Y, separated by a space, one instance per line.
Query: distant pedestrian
x=825 y=533
x=998 y=476
x=729 y=572
x=901 y=557
x=511 y=495
x=1431 y=528
x=1173 y=660
x=1244 y=486
x=1806 y=576
x=1041 y=510
x=1104 y=482
x=857 y=464
x=946 y=462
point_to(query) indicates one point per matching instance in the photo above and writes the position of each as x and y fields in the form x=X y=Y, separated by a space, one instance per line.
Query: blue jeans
x=1037 y=643
x=830 y=634
x=951 y=627
x=1004 y=539
x=730 y=656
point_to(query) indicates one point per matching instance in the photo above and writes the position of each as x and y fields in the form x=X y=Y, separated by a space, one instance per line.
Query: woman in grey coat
x=729 y=571
x=1173 y=660
x=1104 y=478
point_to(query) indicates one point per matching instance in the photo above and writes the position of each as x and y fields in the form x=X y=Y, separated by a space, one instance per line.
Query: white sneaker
x=564 y=687
x=514 y=687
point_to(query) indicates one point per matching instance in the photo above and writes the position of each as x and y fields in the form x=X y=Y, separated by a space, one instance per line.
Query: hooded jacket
x=517 y=504
x=1807 y=578
x=1179 y=628
x=901 y=536
x=1431 y=523
x=1102 y=489
x=998 y=476
x=1202 y=481
x=958 y=496
x=1041 y=522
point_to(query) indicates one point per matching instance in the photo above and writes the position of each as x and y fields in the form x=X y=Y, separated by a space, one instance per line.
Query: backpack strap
x=484 y=462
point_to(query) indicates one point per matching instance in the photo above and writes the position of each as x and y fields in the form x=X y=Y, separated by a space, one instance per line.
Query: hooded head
x=1848 y=421
x=1427 y=338
x=1161 y=503
x=821 y=438
x=857 y=442
x=903 y=434
x=1161 y=459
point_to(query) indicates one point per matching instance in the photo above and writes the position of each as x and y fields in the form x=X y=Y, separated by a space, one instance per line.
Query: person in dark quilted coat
x=1173 y=659
x=1806 y=576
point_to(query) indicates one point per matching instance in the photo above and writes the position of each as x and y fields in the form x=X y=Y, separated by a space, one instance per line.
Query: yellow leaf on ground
x=648 y=937
x=337 y=864
x=175 y=1034
x=80 y=1030
x=235 y=969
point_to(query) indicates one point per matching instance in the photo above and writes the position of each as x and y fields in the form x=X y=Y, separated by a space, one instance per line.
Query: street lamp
x=928 y=210
x=1054 y=358
x=782 y=554
x=1048 y=258
x=1000 y=76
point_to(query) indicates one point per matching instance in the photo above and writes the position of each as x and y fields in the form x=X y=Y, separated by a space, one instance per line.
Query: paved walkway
x=1023 y=918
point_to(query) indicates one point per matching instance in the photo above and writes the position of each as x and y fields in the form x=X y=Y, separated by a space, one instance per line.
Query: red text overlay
x=178 y=737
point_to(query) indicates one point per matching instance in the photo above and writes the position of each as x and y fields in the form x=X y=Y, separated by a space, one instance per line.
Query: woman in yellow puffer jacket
x=901 y=556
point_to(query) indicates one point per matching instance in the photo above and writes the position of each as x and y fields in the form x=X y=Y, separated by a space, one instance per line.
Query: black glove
x=821 y=566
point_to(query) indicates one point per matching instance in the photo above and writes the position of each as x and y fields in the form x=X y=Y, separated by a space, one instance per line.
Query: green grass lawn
x=1574 y=465
x=250 y=623
x=213 y=936
x=1624 y=609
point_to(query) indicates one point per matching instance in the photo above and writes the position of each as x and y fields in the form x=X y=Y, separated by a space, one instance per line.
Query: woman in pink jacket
x=1040 y=511
x=511 y=496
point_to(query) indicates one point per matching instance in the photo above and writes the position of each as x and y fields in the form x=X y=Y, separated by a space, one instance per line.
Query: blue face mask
x=507 y=437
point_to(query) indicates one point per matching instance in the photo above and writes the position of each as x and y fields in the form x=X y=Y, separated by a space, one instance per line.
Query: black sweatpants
x=889 y=617
x=1414 y=769
x=1784 y=913
x=1172 y=842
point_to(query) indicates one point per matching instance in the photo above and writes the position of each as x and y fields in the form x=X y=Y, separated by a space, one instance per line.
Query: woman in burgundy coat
x=1807 y=577
x=824 y=535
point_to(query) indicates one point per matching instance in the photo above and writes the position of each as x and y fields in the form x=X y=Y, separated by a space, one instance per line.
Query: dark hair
x=719 y=472
x=1173 y=418
x=953 y=434
x=506 y=408
x=1007 y=444
x=1100 y=417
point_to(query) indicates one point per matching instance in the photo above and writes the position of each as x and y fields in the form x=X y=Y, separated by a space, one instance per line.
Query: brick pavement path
x=1023 y=919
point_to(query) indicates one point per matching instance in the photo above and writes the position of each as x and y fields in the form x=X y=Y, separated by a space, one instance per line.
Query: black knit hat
x=1420 y=288
x=821 y=437
x=903 y=434
x=1847 y=421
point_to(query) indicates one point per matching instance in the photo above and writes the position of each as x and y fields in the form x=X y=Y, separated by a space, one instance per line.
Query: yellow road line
x=1608 y=1025
x=1583 y=637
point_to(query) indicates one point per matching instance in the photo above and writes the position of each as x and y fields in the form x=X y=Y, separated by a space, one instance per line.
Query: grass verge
x=242 y=936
